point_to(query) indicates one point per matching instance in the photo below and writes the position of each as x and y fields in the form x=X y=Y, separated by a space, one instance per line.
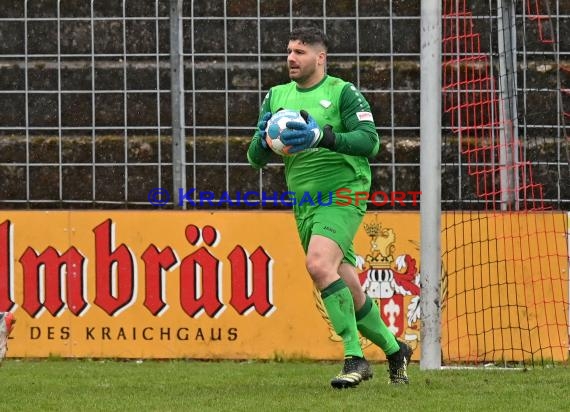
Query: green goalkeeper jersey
x=319 y=171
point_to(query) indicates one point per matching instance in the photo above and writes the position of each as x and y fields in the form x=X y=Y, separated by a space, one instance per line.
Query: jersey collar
x=313 y=87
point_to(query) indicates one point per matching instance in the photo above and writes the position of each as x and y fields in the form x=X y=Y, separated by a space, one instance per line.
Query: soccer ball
x=276 y=125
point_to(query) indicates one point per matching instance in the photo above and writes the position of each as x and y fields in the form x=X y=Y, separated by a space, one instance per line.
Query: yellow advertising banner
x=231 y=285
x=179 y=284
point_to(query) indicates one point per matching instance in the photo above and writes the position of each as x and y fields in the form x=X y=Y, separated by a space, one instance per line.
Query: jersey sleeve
x=257 y=156
x=361 y=138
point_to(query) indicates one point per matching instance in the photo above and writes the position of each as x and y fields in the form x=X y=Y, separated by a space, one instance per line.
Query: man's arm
x=258 y=155
x=361 y=139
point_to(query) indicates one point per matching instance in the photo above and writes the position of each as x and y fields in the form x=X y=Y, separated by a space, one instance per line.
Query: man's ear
x=322 y=57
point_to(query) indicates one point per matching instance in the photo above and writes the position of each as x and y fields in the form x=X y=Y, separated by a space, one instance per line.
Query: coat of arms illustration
x=392 y=281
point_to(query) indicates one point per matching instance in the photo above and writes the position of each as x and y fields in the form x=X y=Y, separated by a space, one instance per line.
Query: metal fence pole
x=508 y=153
x=430 y=183
x=177 y=100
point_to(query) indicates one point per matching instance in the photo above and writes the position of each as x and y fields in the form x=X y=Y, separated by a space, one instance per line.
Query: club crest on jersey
x=325 y=103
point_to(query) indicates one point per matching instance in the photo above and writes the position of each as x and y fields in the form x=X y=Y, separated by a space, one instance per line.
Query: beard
x=299 y=75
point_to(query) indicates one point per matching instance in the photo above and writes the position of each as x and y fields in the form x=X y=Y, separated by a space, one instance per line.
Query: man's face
x=305 y=62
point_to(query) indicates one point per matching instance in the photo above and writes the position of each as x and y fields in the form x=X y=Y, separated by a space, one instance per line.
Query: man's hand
x=301 y=136
x=262 y=125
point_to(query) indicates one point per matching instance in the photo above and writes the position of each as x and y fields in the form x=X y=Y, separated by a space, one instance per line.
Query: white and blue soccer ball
x=276 y=125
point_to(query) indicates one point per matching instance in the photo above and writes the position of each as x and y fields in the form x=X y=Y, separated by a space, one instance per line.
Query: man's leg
x=371 y=325
x=323 y=259
x=368 y=319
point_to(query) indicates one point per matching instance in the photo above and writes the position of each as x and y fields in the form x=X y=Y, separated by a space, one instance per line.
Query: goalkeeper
x=330 y=151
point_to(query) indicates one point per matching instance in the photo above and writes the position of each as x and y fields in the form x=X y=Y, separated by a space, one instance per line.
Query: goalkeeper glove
x=261 y=126
x=302 y=136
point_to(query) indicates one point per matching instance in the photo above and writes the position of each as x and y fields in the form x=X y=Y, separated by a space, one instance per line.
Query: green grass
x=97 y=385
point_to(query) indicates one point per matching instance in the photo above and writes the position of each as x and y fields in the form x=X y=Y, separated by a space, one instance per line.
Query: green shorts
x=338 y=223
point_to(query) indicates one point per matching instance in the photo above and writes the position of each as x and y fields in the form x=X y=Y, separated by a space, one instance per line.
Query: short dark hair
x=309 y=35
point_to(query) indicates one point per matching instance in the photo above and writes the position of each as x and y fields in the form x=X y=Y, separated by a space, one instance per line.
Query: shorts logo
x=330 y=229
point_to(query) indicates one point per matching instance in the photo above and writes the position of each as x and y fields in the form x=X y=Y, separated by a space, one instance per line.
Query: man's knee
x=316 y=264
x=321 y=268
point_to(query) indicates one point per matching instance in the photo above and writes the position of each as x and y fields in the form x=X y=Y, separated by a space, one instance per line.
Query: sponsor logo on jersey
x=363 y=116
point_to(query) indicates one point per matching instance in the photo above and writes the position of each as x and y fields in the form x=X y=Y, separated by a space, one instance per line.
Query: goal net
x=505 y=182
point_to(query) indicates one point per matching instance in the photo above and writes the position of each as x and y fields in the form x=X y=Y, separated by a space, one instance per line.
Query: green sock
x=340 y=308
x=373 y=328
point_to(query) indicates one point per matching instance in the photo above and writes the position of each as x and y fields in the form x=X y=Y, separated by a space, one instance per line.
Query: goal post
x=430 y=183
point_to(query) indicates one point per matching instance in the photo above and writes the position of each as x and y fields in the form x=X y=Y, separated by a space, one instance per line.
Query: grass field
x=105 y=385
